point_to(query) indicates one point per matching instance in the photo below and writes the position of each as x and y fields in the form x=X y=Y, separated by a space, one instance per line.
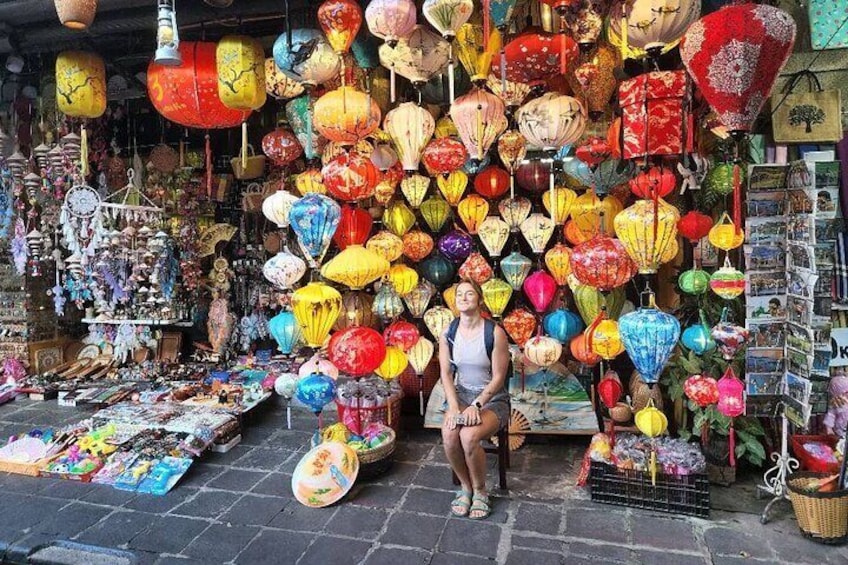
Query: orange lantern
x=473 y=210
x=417 y=245
x=346 y=115
x=558 y=261
x=492 y=182
x=76 y=14
x=581 y=351
x=575 y=235
x=340 y=21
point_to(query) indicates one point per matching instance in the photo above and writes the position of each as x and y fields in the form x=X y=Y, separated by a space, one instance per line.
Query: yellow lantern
x=398 y=218
x=316 y=307
x=436 y=211
x=587 y=208
x=403 y=278
x=605 y=340
x=241 y=72
x=670 y=252
x=542 y=350
x=384 y=192
x=452 y=186
x=647 y=233
x=445 y=127
x=310 y=181
x=80 y=84
x=420 y=354
x=414 y=188
x=356 y=311
x=558 y=261
x=450 y=298
x=725 y=235
x=418 y=300
x=494 y=234
x=346 y=115
x=469 y=45
x=355 y=267
x=385 y=244
x=394 y=363
x=472 y=211
x=437 y=319
x=496 y=295
x=558 y=203
x=514 y=211
x=537 y=230
x=278 y=84
x=653 y=423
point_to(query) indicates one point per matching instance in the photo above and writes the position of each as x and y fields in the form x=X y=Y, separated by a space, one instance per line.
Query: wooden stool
x=502 y=451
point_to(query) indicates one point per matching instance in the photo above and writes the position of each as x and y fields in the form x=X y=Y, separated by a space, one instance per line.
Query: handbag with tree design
x=806 y=117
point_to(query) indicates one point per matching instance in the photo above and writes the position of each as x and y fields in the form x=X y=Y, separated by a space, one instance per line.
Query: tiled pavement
x=237 y=507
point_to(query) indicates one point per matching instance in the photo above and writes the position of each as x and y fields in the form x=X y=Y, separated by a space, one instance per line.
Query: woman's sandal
x=480 y=504
x=461 y=501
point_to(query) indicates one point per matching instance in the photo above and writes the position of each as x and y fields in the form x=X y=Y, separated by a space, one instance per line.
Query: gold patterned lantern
x=398 y=218
x=542 y=350
x=76 y=14
x=356 y=311
x=419 y=298
x=241 y=72
x=316 y=307
x=587 y=210
x=417 y=245
x=278 y=84
x=558 y=261
x=437 y=319
x=404 y=279
x=80 y=84
x=310 y=181
x=385 y=244
x=494 y=233
x=647 y=229
x=414 y=189
x=537 y=230
x=512 y=148
x=496 y=295
x=472 y=211
x=595 y=80
x=605 y=339
x=514 y=211
x=725 y=235
x=355 y=267
x=346 y=115
x=558 y=203
x=435 y=211
x=393 y=364
x=452 y=186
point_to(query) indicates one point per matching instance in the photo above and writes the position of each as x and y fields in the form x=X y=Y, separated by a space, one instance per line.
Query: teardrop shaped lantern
x=480 y=118
x=512 y=148
x=316 y=307
x=602 y=262
x=540 y=288
x=346 y=115
x=647 y=229
x=542 y=350
x=519 y=325
x=537 y=231
x=394 y=363
x=515 y=268
x=355 y=267
x=435 y=211
x=494 y=233
x=386 y=244
x=697 y=337
x=649 y=336
x=729 y=337
x=514 y=211
x=314 y=219
x=410 y=126
x=656 y=182
x=420 y=354
x=475 y=51
x=437 y=319
x=277 y=207
x=558 y=203
x=588 y=212
x=452 y=186
x=285 y=330
x=496 y=295
x=590 y=301
x=581 y=351
x=356 y=310
x=511 y=92
x=340 y=20
x=472 y=211
x=447 y=15
x=558 y=262
x=419 y=298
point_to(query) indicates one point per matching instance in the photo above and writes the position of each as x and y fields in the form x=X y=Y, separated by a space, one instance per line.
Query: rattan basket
x=375 y=462
x=822 y=516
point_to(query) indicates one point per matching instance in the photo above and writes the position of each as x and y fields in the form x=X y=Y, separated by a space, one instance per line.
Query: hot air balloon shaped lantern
x=340 y=20
x=610 y=391
x=285 y=329
x=731 y=403
x=316 y=307
x=649 y=336
x=314 y=219
x=728 y=281
x=641 y=27
x=729 y=337
x=697 y=337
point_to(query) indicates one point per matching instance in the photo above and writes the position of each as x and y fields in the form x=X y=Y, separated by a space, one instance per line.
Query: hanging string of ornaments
x=467 y=144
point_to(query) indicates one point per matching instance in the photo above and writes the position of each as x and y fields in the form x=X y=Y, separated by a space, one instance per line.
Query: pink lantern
x=402 y=334
x=390 y=19
x=318 y=365
x=731 y=403
x=480 y=118
x=540 y=288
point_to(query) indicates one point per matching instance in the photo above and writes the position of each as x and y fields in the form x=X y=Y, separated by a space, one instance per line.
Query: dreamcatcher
x=81 y=220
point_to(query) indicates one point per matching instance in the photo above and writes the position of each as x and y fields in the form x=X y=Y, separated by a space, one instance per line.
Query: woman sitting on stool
x=478 y=403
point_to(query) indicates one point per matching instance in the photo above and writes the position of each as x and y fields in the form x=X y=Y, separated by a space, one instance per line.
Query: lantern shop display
x=655 y=120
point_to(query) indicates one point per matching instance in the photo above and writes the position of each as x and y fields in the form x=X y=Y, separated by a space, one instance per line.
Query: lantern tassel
x=486 y=25
x=208 y=167
x=512 y=187
x=611 y=432
x=554 y=207
x=737 y=196
x=479 y=131
x=244 y=144
x=344 y=71
x=84 y=151
x=732 y=444
x=450 y=73
x=503 y=71
x=288 y=415
x=421 y=398
x=392 y=84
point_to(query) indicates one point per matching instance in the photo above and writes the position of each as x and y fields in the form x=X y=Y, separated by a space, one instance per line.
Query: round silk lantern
x=496 y=295
x=515 y=268
x=354 y=227
x=240 y=62
x=417 y=245
x=472 y=210
x=605 y=339
x=316 y=307
x=346 y=115
x=729 y=337
x=390 y=19
x=307 y=58
x=533 y=57
x=558 y=262
x=558 y=203
x=551 y=121
x=401 y=334
x=519 y=325
x=316 y=391
x=444 y=155
x=414 y=189
x=581 y=351
x=694 y=225
x=494 y=233
x=610 y=390
x=479 y=118
x=188 y=94
x=356 y=310
x=727 y=281
x=404 y=279
x=649 y=336
x=563 y=325
x=452 y=186
x=437 y=319
x=456 y=245
x=514 y=211
x=278 y=84
x=284 y=269
x=656 y=182
x=277 y=207
x=734 y=55
x=418 y=299
x=540 y=288
x=697 y=338
x=340 y=20
x=398 y=218
x=590 y=300
x=350 y=176
x=534 y=175
x=537 y=231
x=417 y=57
x=317 y=364
x=314 y=219
x=647 y=229
x=81 y=84
x=447 y=15
x=281 y=146
x=719 y=178
x=387 y=303
x=355 y=267
x=492 y=182
x=653 y=423
x=438 y=270
x=694 y=281
x=476 y=268
x=651 y=25
x=410 y=127
x=386 y=244
x=285 y=330
x=393 y=364
x=602 y=262
x=357 y=351
x=542 y=350
x=701 y=389
x=725 y=235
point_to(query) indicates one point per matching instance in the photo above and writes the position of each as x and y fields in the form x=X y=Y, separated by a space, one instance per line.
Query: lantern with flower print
x=299 y=115
x=456 y=245
x=410 y=126
x=476 y=268
x=357 y=351
x=580 y=350
x=417 y=57
x=402 y=334
x=81 y=84
x=447 y=15
x=417 y=245
x=281 y=146
x=284 y=269
x=532 y=57
x=596 y=81
x=701 y=389
x=314 y=219
x=512 y=93
x=386 y=245
x=647 y=229
x=479 y=118
x=241 y=72
x=306 y=56
x=444 y=155
x=350 y=176
x=494 y=233
x=542 y=350
x=729 y=337
x=346 y=115
x=589 y=211
x=340 y=20
x=551 y=121
x=390 y=19
x=558 y=262
x=437 y=319
x=387 y=304
x=514 y=211
x=278 y=84
x=519 y=324
x=558 y=203
x=602 y=262
x=512 y=148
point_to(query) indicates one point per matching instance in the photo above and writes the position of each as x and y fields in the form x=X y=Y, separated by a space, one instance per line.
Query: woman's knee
x=450 y=438
x=470 y=439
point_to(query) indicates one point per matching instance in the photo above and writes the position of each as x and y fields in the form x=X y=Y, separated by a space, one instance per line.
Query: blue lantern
x=515 y=268
x=314 y=219
x=315 y=391
x=438 y=270
x=473 y=166
x=649 y=336
x=610 y=174
x=285 y=329
x=698 y=338
x=578 y=171
x=308 y=58
x=562 y=325
x=365 y=51
x=501 y=12
x=562 y=153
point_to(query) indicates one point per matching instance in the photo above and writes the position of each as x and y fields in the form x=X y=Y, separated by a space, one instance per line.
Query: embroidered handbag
x=806 y=117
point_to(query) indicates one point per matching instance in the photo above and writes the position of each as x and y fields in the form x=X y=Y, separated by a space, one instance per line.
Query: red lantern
x=393 y=175
x=188 y=93
x=476 y=268
x=350 y=176
x=520 y=325
x=594 y=151
x=281 y=146
x=492 y=182
x=701 y=389
x=401 y=334
x=614 y=138
x=656 y=182
x=534 y=56
x=417 y=245
x=357 y=350
x=694 y=225
x=609 y=389
x=540 y=288
x=443 y=155
x=603 y=263
x=534 y=176
x=354 y=227
x=340 y=21
x=581 y=351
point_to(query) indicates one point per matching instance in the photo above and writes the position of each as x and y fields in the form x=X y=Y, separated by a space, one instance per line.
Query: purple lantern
x=456 y=245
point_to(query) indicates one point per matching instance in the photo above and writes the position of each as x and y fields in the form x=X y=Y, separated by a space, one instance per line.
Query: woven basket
x=375 y=462
x=255 y=165
x=822 y=516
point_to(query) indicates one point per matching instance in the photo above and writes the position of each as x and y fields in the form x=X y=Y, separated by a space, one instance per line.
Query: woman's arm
x=447 y=375
x=500 y=364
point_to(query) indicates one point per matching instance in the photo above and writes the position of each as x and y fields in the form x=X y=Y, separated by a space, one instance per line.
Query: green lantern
x=694 y=281
x=589 y=301
x=719 y=178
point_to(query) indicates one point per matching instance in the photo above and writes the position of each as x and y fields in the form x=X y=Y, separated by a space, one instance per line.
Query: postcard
x=801 y=283
x=763 y=383
x=826 y=174
x=765 y=308
x=768 y=204
x=764 y=257
x=764 y=360
x=766 y=406
x=764 y=178
x=765 y=284
x=765 y=231
x=767 y=335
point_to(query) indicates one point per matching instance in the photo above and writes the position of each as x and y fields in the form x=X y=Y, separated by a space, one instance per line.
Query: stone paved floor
x=238 y=508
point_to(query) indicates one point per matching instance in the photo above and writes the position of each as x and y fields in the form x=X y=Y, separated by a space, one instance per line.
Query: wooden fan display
x=518 y=426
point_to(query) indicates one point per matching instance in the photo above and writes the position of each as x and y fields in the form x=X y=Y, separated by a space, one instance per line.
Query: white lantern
x=493 y=233
x=542 y=350
x=551 y=121
x=277 y=207
x=284 y=269
x=410 y=126
x=537 y=229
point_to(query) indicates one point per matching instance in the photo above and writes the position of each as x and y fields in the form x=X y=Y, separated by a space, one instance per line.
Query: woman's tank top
x=473 y=367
